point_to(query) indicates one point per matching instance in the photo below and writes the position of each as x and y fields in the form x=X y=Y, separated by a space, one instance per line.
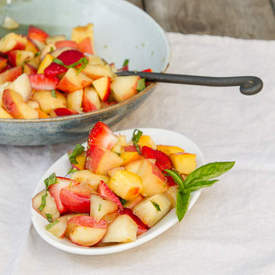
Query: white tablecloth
x=230 y=230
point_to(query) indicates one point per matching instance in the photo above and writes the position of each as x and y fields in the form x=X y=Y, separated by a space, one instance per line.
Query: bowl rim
x=115 y=106
x=93 y=251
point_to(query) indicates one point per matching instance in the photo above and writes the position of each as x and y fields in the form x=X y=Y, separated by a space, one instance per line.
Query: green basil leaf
x=176 y=177
x=156 y=205
x=209 y=171
x=194 y=186
x=50 y=180
x=183 y=200
x=78 y=150
x=141 y=85
x=43 y=201
x=125 y=63
x=72 y=170
x=123 y=202
x=37 y=54
x=50 y=225
x=58 y=61
x=53 y=92
x=49 y=217
x=136 y=136
x=99 y=207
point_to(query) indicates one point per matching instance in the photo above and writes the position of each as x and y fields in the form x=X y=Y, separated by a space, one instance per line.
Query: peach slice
x=91 y=100
x=20 y=57
x=10 y=74
x=102 y=87
x=98 y=71
x=168 y=149
x=84 y=37
x=12 y=41
x=185 y=163
x=22 y=86
x=4 y=114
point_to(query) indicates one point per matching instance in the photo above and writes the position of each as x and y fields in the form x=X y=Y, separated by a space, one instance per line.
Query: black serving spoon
x=249 y=85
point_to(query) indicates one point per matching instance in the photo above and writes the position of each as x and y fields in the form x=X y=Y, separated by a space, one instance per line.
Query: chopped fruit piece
x=101 y=207
x=162 y=160
x=146 y=141
x=3 y=63
x=131 y=204
x=55 y=190
x=84 y=37
x=30 y=47
x=65 y=43
x=172 y=194
x=35 y=33
x=4 y=114
x=48 y=102
x=3 y=87
x=33 y=104
x=95 y=60
x=73 y=202
x=124 y=87
x=185 y=163
x=125 y=184
x=42 y=82
x=101 y=135
x=109 y=218
x=142 y=227
x=122 y=230
x=168 y=149
x=58 y=227
x=114 y=170
x=147 y=70
x=29 y=69
x=10 y=24
x=53 y=39
x=10 y=74
x=82 y=189
x=102 y=87
x=100 y=160
x=50 y=205
x=105 y=192
x=153 y=180
x=91 y=100
x=130 y=157
x=42 y=114
x=73 y=80
x=45 y=63
x=130 y=148
x=87 y=177
x=14 y=104
x=54 y=69
x=70 y=56
x=170 y=181
x=12 y=41
x=134 y=166
x=85 y=231
x=121 y=142
x=98 y=71
x=64 y=112
x=22 y=86
x=19 y=57
x=34 y=62
x=152 y=209
x=80 y=159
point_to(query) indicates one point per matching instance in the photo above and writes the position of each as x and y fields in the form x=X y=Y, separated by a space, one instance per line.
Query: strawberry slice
x=108 y=194
x=162 y=160
x=64 y=112
x=55 y=69
x=55 y=190
x=77 y=203
x=147 y=71
x=170 y=181
x=65 y=43
x=88 y=221
x=42 y=82
x=101 y=135
x=70 y=56
x=35 y=33
x=142 y=227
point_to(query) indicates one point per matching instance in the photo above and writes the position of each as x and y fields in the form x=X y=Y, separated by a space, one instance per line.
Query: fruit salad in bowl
x=120 y=189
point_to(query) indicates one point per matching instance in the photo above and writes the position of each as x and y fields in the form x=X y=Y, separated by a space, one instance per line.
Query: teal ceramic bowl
x=121 y=31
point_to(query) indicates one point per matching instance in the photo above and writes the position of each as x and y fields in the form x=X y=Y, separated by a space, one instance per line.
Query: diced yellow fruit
x=129 y=157
x=146 y=141
x=80 y=161
x=121 y=142
x=133 y=166
x=45 y=63
x=81 y=32
x=184 y=163
x=172 y=194
x=111 y=172
x=125 y=184
x=132 y=203
x=168 y=149
x=4 y=114
x=152 y=209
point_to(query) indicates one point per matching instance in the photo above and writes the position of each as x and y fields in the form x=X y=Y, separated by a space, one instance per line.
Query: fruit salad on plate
x=43 y=76
x=118 y=189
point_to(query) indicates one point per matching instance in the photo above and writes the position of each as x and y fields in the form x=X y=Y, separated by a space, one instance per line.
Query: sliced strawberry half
x=42 y=82
x=64 y=112
x=76 y=203
x=142 y=227
x=35 y=33
x=55 y=69
x=88 y=221
x=108 y=194
x=162 y=160
x=55 y=190
x=70 y=56
x=101 y=135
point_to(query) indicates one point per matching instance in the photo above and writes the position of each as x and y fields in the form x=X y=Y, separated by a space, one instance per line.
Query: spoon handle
x=249 y=85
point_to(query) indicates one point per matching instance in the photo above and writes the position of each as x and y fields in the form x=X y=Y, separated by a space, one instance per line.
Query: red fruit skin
x=10 y=74
x=70 y=56
x=88 y=221
x=54 y=69
x=147 y=70
x=170 y=181
x=3 y=63
x=130 y=148
x=66 y=43
x=102 y=136
x=35 y=33
x=93 y=156
x=42 y=82
x=87 y=105
x=64 y=112
x=162 y=160
x=142 y=227
x=108 y=194
x=75 y=203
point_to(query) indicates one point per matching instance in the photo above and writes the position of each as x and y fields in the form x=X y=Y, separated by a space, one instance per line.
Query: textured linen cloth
x=231 y=228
